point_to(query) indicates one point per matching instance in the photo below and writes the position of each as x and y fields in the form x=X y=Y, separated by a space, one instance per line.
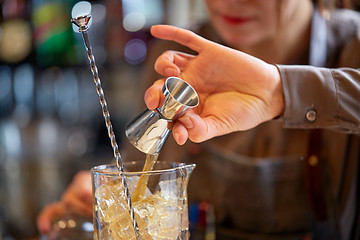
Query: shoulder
x=345 y=22
x=344 y=38
x=346 y=16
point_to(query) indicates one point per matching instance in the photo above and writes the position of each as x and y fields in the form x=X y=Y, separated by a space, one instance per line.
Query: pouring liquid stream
x=142 y=184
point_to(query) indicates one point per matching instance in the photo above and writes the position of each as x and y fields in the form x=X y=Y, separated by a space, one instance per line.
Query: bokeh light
x=135 y=51
x=134 y=21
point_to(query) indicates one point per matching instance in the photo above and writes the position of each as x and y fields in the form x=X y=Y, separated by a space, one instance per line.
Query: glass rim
x=100 y=169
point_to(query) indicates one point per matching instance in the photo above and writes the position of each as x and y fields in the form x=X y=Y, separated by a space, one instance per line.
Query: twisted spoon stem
x=110 y=129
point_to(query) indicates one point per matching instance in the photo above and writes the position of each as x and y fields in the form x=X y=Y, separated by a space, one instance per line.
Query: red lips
x=235 y=20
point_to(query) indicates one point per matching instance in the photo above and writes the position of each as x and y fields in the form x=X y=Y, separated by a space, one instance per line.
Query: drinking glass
x=162 y=210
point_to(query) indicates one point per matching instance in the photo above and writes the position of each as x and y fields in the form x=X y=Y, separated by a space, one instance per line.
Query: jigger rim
x=188 y=85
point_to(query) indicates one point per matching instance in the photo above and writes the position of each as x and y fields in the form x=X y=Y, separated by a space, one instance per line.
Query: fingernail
x=176 y=135
x=178 y=138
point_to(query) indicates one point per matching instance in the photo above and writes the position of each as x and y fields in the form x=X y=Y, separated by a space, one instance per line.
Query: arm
x=238 y=92
x=321 y=97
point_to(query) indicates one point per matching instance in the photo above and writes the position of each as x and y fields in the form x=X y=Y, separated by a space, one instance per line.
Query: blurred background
x=51 y=124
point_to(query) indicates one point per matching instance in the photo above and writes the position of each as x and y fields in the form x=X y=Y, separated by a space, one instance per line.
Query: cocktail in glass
x=161 y=210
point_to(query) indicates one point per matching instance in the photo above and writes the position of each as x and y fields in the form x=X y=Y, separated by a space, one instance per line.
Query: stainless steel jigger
x=149 y=131
x=82 y=22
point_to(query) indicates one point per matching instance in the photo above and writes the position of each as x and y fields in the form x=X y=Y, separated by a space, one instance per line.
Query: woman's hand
x=76 y=199
x=237 y=91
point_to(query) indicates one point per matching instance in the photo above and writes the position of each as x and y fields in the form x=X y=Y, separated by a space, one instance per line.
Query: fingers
x=76 y=205
x=48 y=214
x=180 y=133
x=153 y=95
x=192 y=126
x=166 y=66
x=171 y=63
x=81 y=186
x=179 y=35
x=78 y=197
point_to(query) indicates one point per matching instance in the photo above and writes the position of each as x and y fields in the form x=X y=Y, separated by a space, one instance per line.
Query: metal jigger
x=149 y=131
x=82 y=22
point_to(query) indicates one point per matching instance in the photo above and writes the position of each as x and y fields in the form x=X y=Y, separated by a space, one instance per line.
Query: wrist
x=278 y=99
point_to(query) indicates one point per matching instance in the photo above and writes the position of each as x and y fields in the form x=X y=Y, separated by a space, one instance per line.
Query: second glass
x=161 y=212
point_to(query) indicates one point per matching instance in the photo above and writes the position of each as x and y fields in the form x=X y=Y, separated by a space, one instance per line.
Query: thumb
x=153 y=96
